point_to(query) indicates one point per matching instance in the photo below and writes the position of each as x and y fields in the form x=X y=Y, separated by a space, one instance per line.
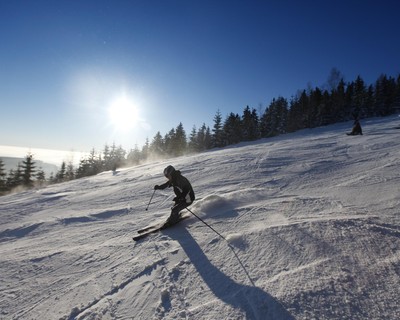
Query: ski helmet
x=168 y=170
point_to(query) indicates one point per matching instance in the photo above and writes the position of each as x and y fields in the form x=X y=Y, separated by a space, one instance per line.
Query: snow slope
x=311 y=218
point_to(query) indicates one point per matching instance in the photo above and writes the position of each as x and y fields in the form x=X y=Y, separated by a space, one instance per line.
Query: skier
x=356 y=128
x=183 y=191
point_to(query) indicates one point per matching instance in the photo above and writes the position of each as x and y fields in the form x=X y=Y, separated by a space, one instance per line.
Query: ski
x=143 y=233
x=150 y=227
x=155 y=226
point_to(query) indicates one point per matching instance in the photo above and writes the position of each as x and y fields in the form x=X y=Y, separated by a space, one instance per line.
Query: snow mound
x=215 y=205
x=237 y=240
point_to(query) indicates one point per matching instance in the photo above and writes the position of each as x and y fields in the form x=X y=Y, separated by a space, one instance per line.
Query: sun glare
x=123 y=114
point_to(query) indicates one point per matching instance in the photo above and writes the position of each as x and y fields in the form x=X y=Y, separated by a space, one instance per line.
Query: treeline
x=24 y=176
x=336 y=101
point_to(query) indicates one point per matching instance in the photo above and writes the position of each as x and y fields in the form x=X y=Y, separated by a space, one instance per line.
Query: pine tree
x=396 y=102
x=107 y=158
x=145 y=150
x=304 y=103
x=370 y=102
x=294 y=118
x=349 y=106
x=95 y=162
x=275 y=119
x=60 y=175
x=193 y=145
x=359 y=94
x=157 y=145
x=338 y=98
x=51 y=178
x=180 y=140
x=82 y=171
x=217 y=135
x=325 y=109
x=90 y=166
x=121 y=153
x=40 y=177
x=169 y=141
x=250 y=125
x=15 y=178
x=70 y=171
x=175 y=141
x=112 y=159
x=134 y=155
x=28 y=166
x=314 y=117
x=2 y=177
x=232 y=129
x=204 y=138
x=385 y=95
x=208 y=139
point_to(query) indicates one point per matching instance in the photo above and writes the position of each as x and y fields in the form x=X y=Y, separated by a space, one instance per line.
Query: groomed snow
x=311 y=222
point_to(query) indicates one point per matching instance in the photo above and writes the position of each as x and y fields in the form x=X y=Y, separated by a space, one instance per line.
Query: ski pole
x=206 y=224
x=150 y=199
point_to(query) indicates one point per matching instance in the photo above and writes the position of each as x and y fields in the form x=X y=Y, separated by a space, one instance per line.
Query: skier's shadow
x=253 y=301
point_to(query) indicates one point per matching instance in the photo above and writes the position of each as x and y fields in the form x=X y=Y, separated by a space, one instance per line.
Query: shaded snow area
x=310 y=223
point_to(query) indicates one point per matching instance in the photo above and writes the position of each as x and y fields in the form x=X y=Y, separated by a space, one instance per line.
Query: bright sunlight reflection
x=123 y=114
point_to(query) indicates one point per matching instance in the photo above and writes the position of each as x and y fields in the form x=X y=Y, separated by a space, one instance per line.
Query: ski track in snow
x=311 y=221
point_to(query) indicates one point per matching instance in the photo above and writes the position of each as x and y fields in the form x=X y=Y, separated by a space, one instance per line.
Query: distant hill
x=12 y=163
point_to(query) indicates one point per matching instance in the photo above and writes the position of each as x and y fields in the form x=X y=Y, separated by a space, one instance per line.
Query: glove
x=156 y=187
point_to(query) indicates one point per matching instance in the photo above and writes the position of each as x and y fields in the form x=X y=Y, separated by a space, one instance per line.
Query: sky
x=76 y=75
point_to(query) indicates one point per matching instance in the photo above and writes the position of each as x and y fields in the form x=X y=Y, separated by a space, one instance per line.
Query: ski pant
x=174 y=217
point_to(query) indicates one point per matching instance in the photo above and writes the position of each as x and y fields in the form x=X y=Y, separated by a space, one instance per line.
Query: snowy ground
x=312 y=219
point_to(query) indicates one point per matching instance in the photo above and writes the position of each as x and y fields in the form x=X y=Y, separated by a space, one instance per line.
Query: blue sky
x=71 y=72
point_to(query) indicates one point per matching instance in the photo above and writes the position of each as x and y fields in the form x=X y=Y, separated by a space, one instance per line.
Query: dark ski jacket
x=356 y=128
x=182 y=187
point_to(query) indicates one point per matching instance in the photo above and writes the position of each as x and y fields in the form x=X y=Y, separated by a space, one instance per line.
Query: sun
x=123 y=114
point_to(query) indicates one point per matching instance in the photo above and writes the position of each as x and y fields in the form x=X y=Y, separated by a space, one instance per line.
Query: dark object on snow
x=356 y=129
x=183 y=191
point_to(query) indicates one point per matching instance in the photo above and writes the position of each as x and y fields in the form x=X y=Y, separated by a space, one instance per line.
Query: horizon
x=50 y=156
x=57 y=157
